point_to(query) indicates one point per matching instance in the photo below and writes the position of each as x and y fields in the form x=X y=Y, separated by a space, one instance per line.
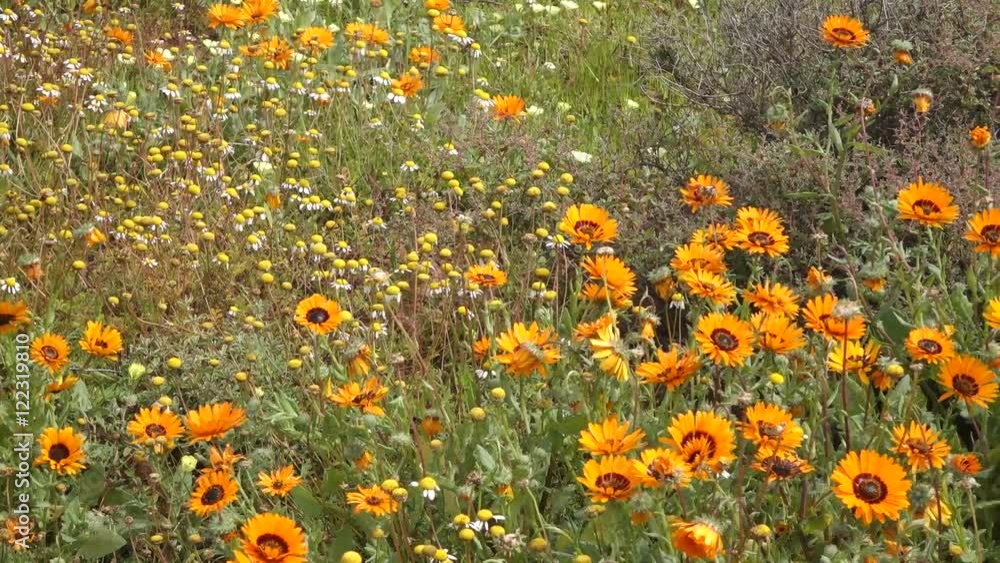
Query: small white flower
x=10 y=286
x=581 y=156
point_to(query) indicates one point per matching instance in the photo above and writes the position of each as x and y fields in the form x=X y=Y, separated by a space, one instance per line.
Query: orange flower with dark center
x=968 y=379
x=587 y=224
x=844 y=32
x=871 y=484
x=725 y=338
x=928 y=344
x=984 y=230
x=927 y=203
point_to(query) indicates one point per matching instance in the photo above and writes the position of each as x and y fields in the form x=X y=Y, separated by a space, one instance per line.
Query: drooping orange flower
x=449 y=24
x=700 y=540
x=826 y=315
x=424 y=55
x=259 y=11
x=367 y=32
x=610 y=280
x=353 y=395
x=698 y=256
x=772 y=429
x=527 y=349
x=670 y=368
x=704 y=191
x=119 y=34
x=773 y=298
x=610 y=437
x=316 y=39
x=226 y=15
x=156 y=58
x=508 y=107
x=213 y=421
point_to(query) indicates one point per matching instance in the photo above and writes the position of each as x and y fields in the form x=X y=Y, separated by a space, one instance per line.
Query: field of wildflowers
x=483 y=281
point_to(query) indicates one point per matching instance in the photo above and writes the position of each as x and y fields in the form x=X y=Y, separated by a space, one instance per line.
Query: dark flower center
x=486 y=278
x=213 y=495
x=50 y=353
x=965 y=385
x=273 y=542
x=100 y=343
x=585 y=227
x=760 y=238
x=6 y=319
x=919 y=446
x=991 y=233
x=782 y=467
x=317 y=315
x=870 y=488
x=927 y=207
x=58 y=452
x=362 y=398
x=724 y=339
x=844 y=34
x=373 y=501
x=615 y=481
x=705 y=448
x=155 y=430
x=929 y=346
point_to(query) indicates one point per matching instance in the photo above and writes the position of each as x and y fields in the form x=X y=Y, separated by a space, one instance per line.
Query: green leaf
x=343 y=543
x=90 y=486
x=485 y=460
x=99 y=543
x=306 y=502
x=895 y=327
